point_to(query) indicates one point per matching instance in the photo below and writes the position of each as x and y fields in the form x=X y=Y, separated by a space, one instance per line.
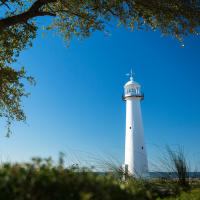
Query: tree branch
x=71 y=12
x=32 y=12
x=4 y=3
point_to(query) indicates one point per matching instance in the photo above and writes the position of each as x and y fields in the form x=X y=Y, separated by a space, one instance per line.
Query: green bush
x=40 y=180
x=193 y=195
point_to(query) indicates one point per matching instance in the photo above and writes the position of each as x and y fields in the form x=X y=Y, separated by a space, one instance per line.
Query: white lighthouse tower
x=135 y=150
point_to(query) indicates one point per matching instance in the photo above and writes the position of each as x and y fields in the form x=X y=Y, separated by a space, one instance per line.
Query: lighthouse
x=135 y=150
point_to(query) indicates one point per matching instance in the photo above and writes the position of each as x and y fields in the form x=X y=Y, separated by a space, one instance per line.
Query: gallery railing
x=140 y=95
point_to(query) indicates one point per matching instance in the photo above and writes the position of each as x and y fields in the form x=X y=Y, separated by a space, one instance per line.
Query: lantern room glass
x=132 y=91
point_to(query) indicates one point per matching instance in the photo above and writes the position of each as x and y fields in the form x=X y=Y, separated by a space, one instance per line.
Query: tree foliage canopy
x=80 y=18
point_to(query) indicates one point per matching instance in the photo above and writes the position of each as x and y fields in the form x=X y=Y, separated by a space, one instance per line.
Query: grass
x=43 y=180
x=179 y=186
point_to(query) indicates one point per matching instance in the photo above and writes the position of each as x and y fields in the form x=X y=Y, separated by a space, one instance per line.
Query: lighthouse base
x=126 y=172
x=125 y=168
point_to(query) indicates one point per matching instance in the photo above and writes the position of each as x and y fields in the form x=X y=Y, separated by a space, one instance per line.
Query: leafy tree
x=79 y=18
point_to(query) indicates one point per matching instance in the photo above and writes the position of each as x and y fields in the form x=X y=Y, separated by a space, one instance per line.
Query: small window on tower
x=142 y=148
x=130 y=127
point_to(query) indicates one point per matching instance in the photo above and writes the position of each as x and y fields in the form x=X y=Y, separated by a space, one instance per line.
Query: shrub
x=42 y=180
x=193 y=195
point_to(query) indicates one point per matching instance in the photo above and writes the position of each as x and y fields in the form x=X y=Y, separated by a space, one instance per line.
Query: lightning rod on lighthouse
x=135 y=150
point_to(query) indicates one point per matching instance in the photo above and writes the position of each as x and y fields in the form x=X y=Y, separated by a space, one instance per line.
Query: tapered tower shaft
x=135 y=150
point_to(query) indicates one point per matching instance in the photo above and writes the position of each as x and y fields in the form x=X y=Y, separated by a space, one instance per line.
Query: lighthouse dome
x=132 y=83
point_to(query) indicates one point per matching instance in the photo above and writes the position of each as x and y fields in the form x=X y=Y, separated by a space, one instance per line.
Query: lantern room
x=132 y=89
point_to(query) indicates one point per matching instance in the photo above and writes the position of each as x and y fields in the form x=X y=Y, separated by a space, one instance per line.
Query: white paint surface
x=135 y=150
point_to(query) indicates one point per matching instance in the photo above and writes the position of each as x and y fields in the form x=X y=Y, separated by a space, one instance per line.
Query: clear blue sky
x=76 y=106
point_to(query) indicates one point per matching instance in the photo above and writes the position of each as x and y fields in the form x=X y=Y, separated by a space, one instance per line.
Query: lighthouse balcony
x=132 y=94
